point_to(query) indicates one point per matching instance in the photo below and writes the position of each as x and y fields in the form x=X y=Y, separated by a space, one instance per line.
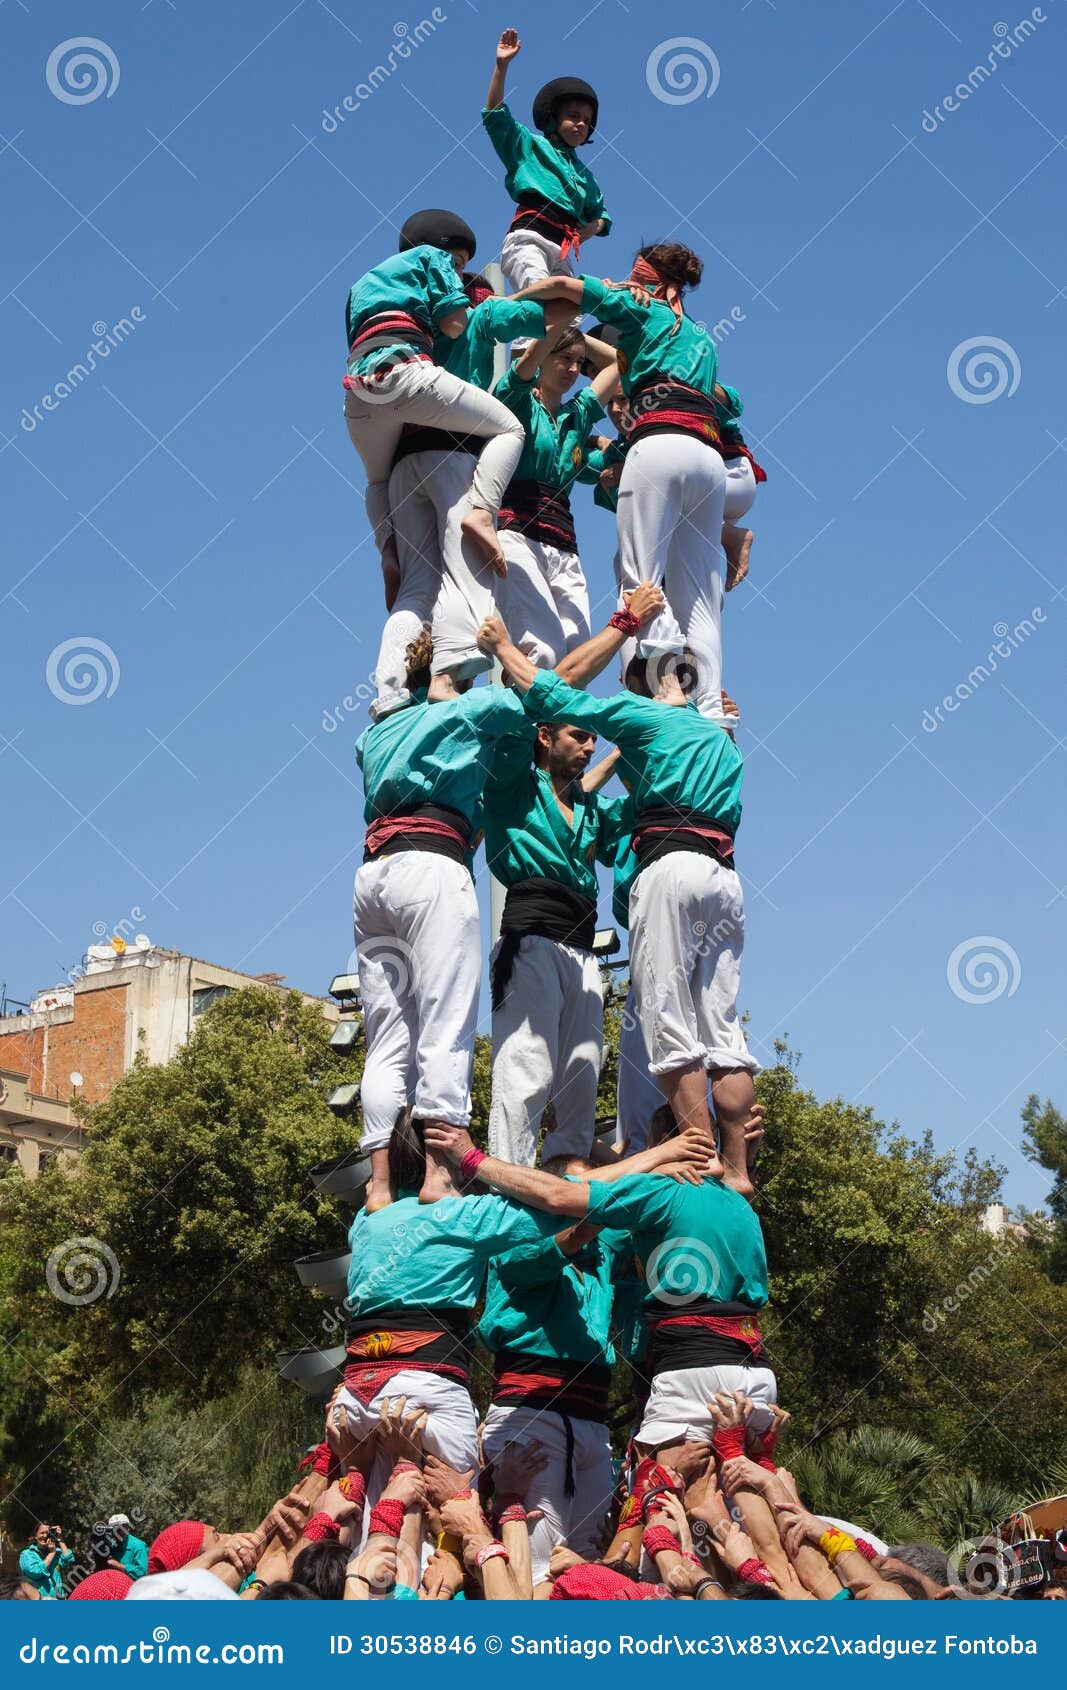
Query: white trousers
x=443 y=583
x=740 y=489
x=638 y=1093
x=548 y=1041
x=423 y=393
x=678 y=1402
x=687 y=931
x=543 y=599
x=419 y=944
x=527 y=257
x=670 y=515
x=575 y=1520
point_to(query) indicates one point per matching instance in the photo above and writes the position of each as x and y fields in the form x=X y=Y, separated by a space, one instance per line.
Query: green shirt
x=527 y=834
x=555 y=446
x=546 y=166
x=649 y=344
x=414 y=1255
x=697 y=1242
x=597 y=459
x=424 y=282
x=493 y=321
x=539 y=1300
x=48 y=1581
x=135 y=1557
x=435 y=753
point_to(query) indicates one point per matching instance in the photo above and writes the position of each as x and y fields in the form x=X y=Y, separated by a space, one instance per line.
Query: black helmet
x=436 y=228
x=563 y=88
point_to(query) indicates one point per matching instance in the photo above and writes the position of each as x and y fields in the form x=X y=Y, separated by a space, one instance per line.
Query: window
x=205 y=996
x=9 y=1152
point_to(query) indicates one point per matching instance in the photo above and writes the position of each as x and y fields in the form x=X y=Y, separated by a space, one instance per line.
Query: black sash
x=435 y=844
x=676 y=835
x=414 y=438
x=548 y=909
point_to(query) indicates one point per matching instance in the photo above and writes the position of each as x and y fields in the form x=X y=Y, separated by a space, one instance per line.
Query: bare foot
x=740 y=1182
x=478 y=527
x=378 y=1195
x=737 y=544
x=438 y=1181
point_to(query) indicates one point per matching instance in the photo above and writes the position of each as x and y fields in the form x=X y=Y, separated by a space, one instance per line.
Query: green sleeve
x=511 y=319
x=594 y=205
x=508 y=135
x=733 y=406
x=510 y=771
x=495 y=711
x=136 y=1558
x=66 y=1558
x=550 y=699
x=589 y=474
x=644 y=1201
x=612 y=305
x=443 y=287
x=586 y=409
x=516 y=394
x=488 y=1225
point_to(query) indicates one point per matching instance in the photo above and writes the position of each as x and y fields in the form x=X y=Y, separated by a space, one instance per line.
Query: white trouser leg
x=525 y=604
x=548 y=1040
x=423 y=393
x=639 y=1095
x=417 y=932
x=687 y=929
x=575 y=1519
x=740 y=489
x=439 y=483
x=451 y=1428
x=670 y=531
x=570 y=594
x=416 y=528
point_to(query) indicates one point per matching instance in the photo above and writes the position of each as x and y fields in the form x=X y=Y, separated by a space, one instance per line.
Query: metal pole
x=495 y=277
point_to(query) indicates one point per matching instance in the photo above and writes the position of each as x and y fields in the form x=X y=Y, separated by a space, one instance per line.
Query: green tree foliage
x=1045 y=1142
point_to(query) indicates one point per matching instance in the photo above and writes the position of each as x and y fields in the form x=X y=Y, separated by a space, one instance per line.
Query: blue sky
x=194 y=506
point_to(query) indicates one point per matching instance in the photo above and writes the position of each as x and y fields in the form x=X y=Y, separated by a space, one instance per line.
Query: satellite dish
x=77 y=1079
x=143 y=942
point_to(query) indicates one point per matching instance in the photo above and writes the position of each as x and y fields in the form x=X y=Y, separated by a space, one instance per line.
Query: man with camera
x=45 y=1561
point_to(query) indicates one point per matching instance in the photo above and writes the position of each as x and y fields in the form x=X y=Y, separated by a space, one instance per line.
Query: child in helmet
x=558 y=200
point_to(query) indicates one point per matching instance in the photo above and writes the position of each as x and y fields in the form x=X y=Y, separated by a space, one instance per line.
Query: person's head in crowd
x=185 y=1584
x=562 y=365
x=288 y=1590
x=666 y=679
x=47 y=1537
x=929 y=1565
x=107 y=1585
x=562 y=751
x=320 y=1567
x=910 y=1583
x=754 y=1590
x=180 y=1543
x=16 y=1589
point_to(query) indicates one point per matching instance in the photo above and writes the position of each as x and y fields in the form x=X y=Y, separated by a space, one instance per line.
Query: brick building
x=78 y=1040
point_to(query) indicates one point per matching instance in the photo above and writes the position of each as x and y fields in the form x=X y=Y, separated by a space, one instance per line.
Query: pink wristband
x=405 y=1467
x=470 y=1164
x=867 y=1550
x=354 y=1486
x=491 y=1552
x=625 y=621
x=729 y=1441
x=321 y=1526
x=513 y=1514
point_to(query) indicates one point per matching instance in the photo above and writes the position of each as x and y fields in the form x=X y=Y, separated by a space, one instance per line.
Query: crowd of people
x=643 y=1252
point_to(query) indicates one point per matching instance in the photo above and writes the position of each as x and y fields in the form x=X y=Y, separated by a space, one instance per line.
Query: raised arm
x=601 y=772
x=588 y=659
x=506 y=49
x=524 y=1185
x=604 y=360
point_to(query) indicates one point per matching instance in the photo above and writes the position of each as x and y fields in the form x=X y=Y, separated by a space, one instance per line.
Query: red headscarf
x=649 y=277
x=176 y=1546
x=592 y=1582
x=108 y=1585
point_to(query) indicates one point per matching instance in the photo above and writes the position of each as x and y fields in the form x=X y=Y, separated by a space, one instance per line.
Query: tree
x=1045 y=1142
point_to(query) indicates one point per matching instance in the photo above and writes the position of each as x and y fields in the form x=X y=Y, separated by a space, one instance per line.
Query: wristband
x=450 y=1544
x=323 y=1461
x=867 y=1550
x=513 y=1514
x=656 y=1540
x=755 y=1571
x=354 y=1486
x=320 y=1527
x=729 y=1441
x=689 y=1555
x=491 y=1552
x=705 y=1584
x=625 y=621
x=471 y=1162
x=387 y=1517
x=766 y=1462
x=404 y=1467
x=834 y=1543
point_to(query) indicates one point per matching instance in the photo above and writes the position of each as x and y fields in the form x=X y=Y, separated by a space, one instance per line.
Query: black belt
x=573 y=1390
x=541 y=512
x=546 y=909
x=650 y=848
x=451 y=1340
x=674 y=1347
x=414 y=438
x=438 y=846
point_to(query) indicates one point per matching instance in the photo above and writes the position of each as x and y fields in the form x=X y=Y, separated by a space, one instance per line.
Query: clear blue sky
x=195 y=506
